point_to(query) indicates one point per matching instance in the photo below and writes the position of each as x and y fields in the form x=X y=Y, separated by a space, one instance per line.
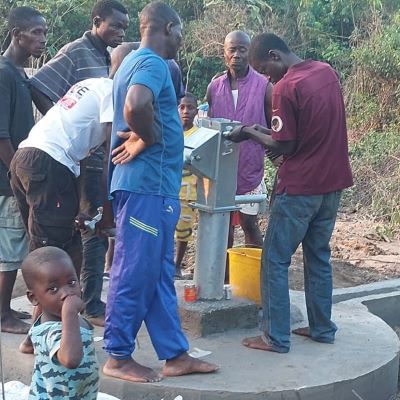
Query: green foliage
x=373 y=90
x=365 y=111
x=380 y=56
x=269 y=176
x=360 y=38
x=376 y=166
x=201 y=67
x=377 y=148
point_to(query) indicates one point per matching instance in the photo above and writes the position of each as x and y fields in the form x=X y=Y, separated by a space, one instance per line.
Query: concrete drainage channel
x=374 y=312
x=363 y=364
x=388 y=309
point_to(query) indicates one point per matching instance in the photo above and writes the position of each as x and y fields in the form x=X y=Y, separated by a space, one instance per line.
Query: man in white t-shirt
x=46 y=166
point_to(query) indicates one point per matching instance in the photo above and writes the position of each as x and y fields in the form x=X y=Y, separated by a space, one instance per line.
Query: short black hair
x=156 y=15
x=262 y=44
x=40 y=259
x=20 y=17
x=104 y=8
x=190 y=96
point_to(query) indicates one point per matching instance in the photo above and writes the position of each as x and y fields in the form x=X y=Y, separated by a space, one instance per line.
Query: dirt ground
x=359 y=254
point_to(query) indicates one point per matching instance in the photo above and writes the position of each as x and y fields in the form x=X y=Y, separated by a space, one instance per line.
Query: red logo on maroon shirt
x=276 y=123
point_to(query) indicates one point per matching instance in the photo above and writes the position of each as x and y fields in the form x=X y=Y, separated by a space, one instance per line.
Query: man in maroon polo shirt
x=309 y=129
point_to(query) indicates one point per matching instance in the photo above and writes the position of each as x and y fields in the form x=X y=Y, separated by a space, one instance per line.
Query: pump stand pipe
x=213 y=158
x=212 y=241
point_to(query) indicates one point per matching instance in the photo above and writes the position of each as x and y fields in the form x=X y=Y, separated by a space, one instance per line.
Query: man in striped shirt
x=84 y=58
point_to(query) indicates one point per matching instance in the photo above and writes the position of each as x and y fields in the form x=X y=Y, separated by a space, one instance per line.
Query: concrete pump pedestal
x=362 y=364
x=203 y=318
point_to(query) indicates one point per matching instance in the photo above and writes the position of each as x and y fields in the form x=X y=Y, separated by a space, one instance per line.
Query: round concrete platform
x=362 y=364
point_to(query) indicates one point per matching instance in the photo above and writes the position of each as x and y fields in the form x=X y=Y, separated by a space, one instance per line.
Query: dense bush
x=373 y=91
x=376 y=166
x=360 y=38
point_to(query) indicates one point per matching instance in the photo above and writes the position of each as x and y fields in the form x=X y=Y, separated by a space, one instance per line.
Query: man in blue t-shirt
x=145 y=192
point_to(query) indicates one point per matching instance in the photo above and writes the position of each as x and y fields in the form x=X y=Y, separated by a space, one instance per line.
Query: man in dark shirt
x=309 y=129
x=86 y=57
x=27 y=31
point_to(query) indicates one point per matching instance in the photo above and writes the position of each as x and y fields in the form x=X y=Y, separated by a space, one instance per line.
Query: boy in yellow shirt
x=184 y=229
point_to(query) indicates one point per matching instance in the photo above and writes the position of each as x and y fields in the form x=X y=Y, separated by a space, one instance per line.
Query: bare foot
x=10 y=324
x=130 y=370
x=305 y=331
x=26 y=346
x=184 y=365
x=258 y=343
x=21 y=314
x=98 y=321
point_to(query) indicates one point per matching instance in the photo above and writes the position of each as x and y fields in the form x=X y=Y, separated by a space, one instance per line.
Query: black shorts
x=48 y=198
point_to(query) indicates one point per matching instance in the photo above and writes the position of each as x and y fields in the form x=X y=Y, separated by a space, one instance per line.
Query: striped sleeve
x=56 y=77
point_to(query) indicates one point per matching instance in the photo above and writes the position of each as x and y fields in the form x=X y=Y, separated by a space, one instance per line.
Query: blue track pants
x=142 y=277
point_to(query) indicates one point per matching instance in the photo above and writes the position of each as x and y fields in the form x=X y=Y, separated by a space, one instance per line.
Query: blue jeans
x=308 y=220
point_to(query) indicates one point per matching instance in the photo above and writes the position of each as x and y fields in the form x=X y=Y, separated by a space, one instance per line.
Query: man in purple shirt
x=309 y=129
x=242 y=94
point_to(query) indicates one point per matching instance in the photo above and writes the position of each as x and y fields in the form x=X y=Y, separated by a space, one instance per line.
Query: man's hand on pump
x=238 y=134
